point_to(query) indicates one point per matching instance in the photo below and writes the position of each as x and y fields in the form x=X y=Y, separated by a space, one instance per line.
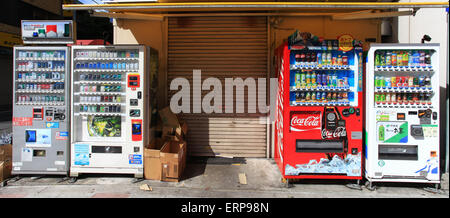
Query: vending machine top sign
x=48 y=32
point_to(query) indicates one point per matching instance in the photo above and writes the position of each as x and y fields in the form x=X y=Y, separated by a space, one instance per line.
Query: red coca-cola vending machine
x=319 y=108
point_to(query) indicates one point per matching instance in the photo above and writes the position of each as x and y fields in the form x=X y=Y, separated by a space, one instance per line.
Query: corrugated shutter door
x=221 y=47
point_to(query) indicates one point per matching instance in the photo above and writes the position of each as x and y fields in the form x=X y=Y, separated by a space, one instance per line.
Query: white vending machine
x=402 y=118
x=108 y=112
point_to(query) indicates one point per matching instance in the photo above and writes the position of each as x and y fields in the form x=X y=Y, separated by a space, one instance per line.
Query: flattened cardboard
x=5 y=161
x=5 y=152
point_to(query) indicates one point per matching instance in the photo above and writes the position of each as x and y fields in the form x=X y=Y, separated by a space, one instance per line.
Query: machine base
x=62 y=173
x=403 y=180
x=138 y=172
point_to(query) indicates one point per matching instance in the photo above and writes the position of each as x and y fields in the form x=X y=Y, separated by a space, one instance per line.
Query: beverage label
x=394 y=82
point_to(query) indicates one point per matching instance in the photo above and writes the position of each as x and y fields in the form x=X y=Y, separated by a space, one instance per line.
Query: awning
x=338 y=10
x=258 y=6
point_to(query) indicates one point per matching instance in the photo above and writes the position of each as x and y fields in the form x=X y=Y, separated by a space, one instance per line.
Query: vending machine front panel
x=108 y=86
x=320 y=103
x=40 y=107
x=402 y=113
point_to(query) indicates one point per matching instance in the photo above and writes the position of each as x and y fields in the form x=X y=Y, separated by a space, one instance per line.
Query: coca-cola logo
x=338 y=132
x=305 y=121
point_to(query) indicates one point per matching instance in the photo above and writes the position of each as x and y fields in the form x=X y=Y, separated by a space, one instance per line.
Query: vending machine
x=402 y=120
x=318 y=127
x=41 y=111
x=109 y=109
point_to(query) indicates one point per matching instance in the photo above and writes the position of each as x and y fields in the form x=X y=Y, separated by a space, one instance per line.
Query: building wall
x=150 y=33
x=433 y=22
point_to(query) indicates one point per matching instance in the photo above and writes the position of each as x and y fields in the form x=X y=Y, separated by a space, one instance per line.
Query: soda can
x=410 y=82
x=405 y=58
x=399 y=81
x=345 y=60
x=324 y=58
x=382 y=98
x=324 y=79
x=301 y=96
x=387 y=82
x=329 y=58
x=405 y=82
x=388 y=59
x=319 y=79
x=308 y=78
x=319 y=58
x=297 y=79
x=400 y=59
x=302 y=78
x=410 y=59
x=428 y=98
x=394 y=82
x=427 y=82
x=421 y=81
x=308 y=58
x=334 y=80
x=415 y=98
x=382 y=82
x=388 y=98
x=400 y=98
x=307 y=96
x=394 y=59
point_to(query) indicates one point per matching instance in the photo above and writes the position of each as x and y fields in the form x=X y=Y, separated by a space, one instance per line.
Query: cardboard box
x=168 y=118
x=173 y=160
x=5 y=161
x=152 y=162
x=174 y=134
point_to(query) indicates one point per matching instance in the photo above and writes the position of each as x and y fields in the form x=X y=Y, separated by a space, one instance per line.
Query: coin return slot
x=38 y=153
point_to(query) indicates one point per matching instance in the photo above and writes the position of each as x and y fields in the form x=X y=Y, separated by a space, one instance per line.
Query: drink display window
x=100 y=92
x=323 y=76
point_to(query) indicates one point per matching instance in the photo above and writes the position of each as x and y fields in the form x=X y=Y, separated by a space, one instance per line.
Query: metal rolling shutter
x=221 y=47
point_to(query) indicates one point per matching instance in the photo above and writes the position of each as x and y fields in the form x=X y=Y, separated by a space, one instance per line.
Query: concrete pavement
x=211 y=178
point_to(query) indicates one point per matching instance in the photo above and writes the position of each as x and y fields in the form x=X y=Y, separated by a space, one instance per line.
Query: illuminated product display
x=402 y=121
x=318 y=128
x=109 y=101
x=41 y=110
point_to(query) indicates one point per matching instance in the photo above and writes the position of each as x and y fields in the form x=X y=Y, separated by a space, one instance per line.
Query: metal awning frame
x=336 y=10
x=255 y=5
